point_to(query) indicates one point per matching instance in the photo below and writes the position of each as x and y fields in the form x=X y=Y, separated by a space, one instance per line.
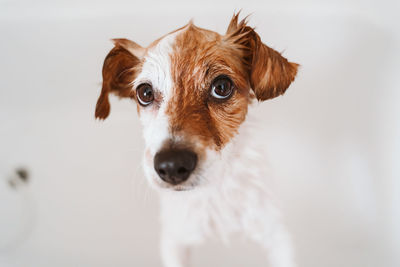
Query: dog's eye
x=221 y=87
x=145 y=94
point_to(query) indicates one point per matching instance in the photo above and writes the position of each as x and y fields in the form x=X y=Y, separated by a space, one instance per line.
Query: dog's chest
x=213 y=214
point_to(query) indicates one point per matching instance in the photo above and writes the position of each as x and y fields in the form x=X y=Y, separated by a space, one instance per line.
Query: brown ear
x=270 y=73
x=118 y=73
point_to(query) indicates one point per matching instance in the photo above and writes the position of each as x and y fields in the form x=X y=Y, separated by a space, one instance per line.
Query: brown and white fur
x=226 y=193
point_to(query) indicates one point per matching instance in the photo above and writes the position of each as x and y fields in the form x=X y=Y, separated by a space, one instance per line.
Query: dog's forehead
x=192 y=38
x=187 y=38
x=185 y=44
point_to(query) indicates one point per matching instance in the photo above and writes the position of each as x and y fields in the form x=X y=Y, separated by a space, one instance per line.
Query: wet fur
x=227 y=192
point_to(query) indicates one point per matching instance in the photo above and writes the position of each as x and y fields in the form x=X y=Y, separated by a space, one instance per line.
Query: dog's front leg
x=180 y=231
x=279 y=247
x=174 y=253
x=273 y=236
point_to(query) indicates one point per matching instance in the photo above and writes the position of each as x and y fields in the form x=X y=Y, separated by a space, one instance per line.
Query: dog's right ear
x=119 y=71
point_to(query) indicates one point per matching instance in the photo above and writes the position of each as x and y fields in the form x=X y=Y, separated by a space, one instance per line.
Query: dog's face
x=192 y=88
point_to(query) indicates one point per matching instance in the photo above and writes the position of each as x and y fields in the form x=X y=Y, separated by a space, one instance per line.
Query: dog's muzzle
x=174 y=166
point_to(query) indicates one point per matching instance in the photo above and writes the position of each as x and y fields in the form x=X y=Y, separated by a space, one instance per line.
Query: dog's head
x=192 y=88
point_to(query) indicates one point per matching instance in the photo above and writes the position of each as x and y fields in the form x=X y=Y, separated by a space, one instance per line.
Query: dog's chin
x=162 y=186
x=176 y=188
x=181 y=188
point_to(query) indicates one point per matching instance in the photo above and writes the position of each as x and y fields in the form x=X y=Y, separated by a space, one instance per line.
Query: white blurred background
x=332 y=140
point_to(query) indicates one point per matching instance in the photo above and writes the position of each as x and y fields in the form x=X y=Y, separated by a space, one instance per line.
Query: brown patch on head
x=200 y=56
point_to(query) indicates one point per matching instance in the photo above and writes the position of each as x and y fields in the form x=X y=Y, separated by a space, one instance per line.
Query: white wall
x=332 y=140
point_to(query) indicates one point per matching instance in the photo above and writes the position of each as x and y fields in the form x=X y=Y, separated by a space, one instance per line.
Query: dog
x=193 y=88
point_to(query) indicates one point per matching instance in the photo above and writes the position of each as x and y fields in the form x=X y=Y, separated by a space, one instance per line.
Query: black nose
x=174 y=166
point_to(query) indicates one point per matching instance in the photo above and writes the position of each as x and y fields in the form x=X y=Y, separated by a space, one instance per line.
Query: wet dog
x=193 y=88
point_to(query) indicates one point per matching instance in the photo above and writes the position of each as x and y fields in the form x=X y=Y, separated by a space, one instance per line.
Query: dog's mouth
x=182 y=188
x=189 y=185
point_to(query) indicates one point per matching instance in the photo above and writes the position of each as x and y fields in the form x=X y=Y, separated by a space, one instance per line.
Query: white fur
x=229 y=188
x=156 y=70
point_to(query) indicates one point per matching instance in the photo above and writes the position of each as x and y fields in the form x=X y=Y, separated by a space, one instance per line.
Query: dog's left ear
x=270 y=73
